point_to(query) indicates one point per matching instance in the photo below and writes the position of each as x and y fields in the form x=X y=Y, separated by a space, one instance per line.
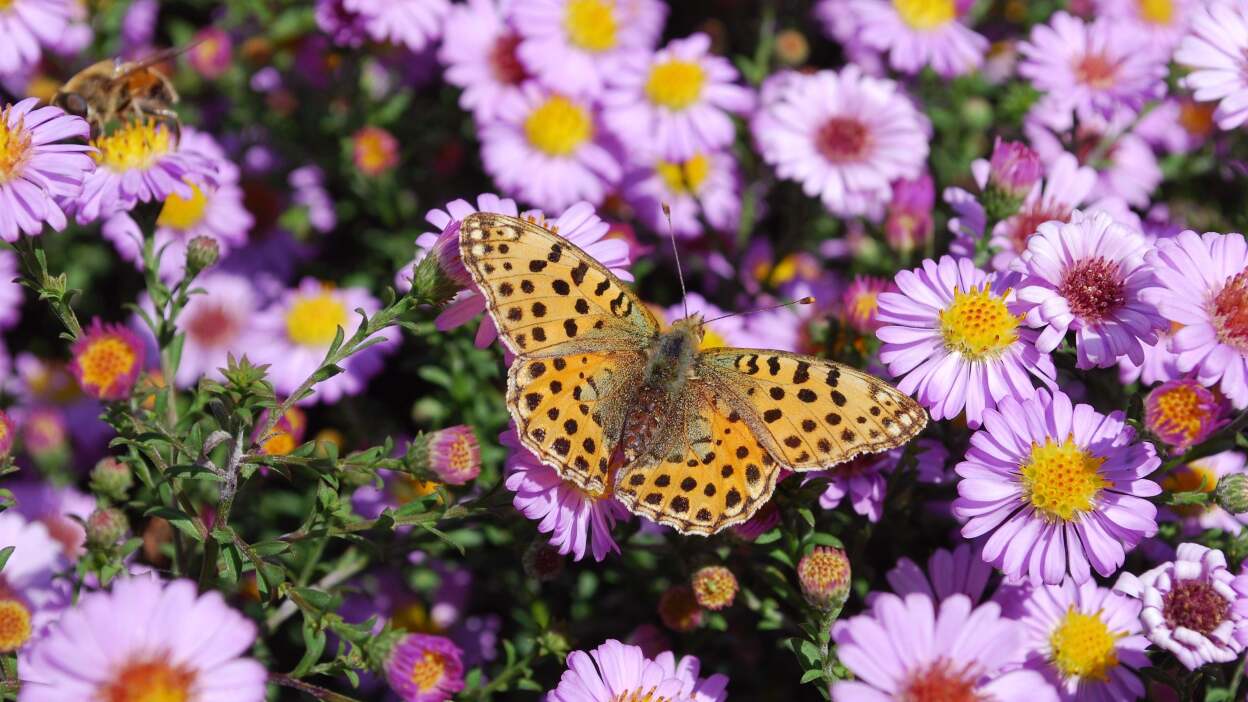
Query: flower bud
x=105 y=527
x=454 y=455
x=824 y=576
x=1232 y=493
x=679 y=610
x=1014 y=168
x=714 y=587
x=440 y=273
x=111 y=478
x=202 y=253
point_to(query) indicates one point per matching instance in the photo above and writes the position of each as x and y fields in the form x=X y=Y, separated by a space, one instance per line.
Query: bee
x=114 y=90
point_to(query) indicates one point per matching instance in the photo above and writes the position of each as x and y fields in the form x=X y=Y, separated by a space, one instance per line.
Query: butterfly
x=695 y=439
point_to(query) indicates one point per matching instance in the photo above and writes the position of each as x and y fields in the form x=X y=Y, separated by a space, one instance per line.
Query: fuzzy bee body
x=114 y=90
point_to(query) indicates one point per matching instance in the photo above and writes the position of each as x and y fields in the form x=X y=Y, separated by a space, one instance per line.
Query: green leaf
x=812 y=675
x=4 y=556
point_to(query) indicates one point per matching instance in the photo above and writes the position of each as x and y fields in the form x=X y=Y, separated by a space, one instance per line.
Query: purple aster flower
x=572 y=45
x=1088 y=70
x=219 y=322
x=863 y=480
x=454 y=455
x=1088 y=275
x=31 y=597
x=860 y=303
x=908 y=224
x=411 y=23
x=961 y=571
x=706 y=184
x=1126 y=166
x=676 y=103
x=913 y=648
x=396 y=490
x=1189 y=606
x=425 y=668
x=211 y=52
x=28 y=26
x=571 y=516
x=1014 y=169
x=1164 y=21
x=1178 y=125
x=133 y=643
x=615 y=671
x=479 y=52
x=299 y=328
x=107 y=360
x=1160 y=363
x=1205 y=289
x=1182 y=412
x=1216 y=51
x=920 y=33
x=1059 y=489
x=1086 y=640
x=548 y=149
x=38 y=175
x=138 y=27
x=956 y=342
x=845 y=137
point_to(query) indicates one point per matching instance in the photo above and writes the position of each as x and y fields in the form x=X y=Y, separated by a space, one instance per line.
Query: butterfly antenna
x=808 y=300
x=671 y=233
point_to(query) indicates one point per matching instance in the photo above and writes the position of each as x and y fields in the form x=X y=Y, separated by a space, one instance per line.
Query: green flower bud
x=112 y=479
x=105 y=527
x=202 y=253
x=1232 y=493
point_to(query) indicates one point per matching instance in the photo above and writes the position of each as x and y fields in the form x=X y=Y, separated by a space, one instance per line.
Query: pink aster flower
x=863 y=480
x=61 y=510
x=28 y=27
x=1164 y=21
x=1088 y=275
x=706 y=184
x=374 y=151
x=145 y=640
x=920 y=33
x=11 y=292
x=1205 y=289
x=572 y=45
x=211 y=52
x=479 y=52
x=140 y=162
x=908 y=224
x=1203 y=474
x=1216 y=51
x=961 y=571
x=1183 y=413
x=425 y=668
x=676 y=103
x=953 y=337
x=1189 y=606
x=1059 y=489
x=344 y=26
x=454 y=455
x=1160 y=363
x=30 y=596
x=1086 y=640
x=38 y=175
x=1178 y=125
x=615 y=671
x=845 y=137
x=860 y=302
x=1087 y=70
x=571 y=516
x=548 y=149
x=1125 y=164
x=308 y=186
x=107 y=360
x=299 y=329
x=914 y=648
x=411 y=23
x=217 y=323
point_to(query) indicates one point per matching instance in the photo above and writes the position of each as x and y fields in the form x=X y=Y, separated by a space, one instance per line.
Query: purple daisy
x=908 y=224
x=145 y=640
x=411 y=23
x=1189 y=606
x=425 y=668
x=571 y=516
x=1178 y=125
x=11 y=292
x=1216 y=51
x=548 y=149
x=1164 y=21
x=479 y=53
x=920 y=33
x=31 y=597
x=1086 y=640
x=860 y=303
x=961 y=571
x=572 y=45
x=1088 y=70
x=1058 y=489
x=1204 y=282
x=30 y=25
x=864 y=480
x=38 y=175
x=706 y=184
x=1088 y=275
x=615 y=671
x=676 y=103
x=456 y=210
x=454 y=454
x=1126 y=168
x=1160 y=363
x=1203 y=474
x=912 y=648
x=299 y=328
x=956 y=342
x=845 y=137
x=219 y=322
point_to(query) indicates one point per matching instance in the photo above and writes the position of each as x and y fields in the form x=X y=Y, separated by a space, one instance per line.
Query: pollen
x=591 y=24
x=1157 y=11
x=182 y=213
x=675 y=84
x=978 y=325
x=14 y=145
x=1229 y=310
x=134 y=145
x=313 y=320
x=428 y=671
x=926 y=14
x=558 y=126
x=714 y=587
x=151 y=681
x=1062 y=480
x=1082 y=646
x=1181 y=412
x=1196 y=605
x=686 y=177
x=15 y=628
x=941 y=682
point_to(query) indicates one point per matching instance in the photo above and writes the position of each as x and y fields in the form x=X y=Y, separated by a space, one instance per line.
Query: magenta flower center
x=941 y=683
x=1096 y=71
x=14 y=145
x=503 y=60
x=1195 y=604
x=1022 y=225
x=1094 y=289
x=212 y=326
x=1230 y=313
x=842 y=140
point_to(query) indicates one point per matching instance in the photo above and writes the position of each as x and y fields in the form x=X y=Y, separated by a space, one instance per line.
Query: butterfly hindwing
x=719 y=475
x=546 y=295
x=812 y=413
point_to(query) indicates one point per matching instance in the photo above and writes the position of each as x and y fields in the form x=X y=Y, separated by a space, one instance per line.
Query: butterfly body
x=689 y=437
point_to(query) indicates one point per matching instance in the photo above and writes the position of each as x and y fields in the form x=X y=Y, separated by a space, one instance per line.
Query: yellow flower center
x=675 y=84
x=314 y=320
x=105 y=360
x=687 y=177
x=864 y=304
x=591 y=24
x=978 y=325
x=14 y=625
x=14 y=142
x=1180 y=410
x=6 y=4
x=133 y=145
x=1083 y=646
x=428 y=671
x=414 y=618
x=154 y=681
x=1157 y=11
x=181 y=213
x=280 y=444
x=461 y=455
x=405 y=488
x=558 y=127
x=375 y=151
x=1062 y=480
x=926 y=14
x=1190 y=478
x=639 y=696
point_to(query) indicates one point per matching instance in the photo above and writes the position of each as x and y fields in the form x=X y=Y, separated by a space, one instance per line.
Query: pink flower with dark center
x=479 y=52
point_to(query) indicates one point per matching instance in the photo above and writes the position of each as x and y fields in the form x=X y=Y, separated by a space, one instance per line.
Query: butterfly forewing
x=809 y=412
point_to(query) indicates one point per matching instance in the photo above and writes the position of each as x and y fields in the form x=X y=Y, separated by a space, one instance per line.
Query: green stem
x=54 y=289
x=315 y=691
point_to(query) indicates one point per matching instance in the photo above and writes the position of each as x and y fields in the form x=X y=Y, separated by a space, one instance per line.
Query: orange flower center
x=429 y=671
x=105 y=361
x=15 y=626
x=14 y=142
x=152 y=681
x=941 y=683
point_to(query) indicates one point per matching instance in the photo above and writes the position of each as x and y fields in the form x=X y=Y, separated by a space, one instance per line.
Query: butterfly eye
x=76 y=104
